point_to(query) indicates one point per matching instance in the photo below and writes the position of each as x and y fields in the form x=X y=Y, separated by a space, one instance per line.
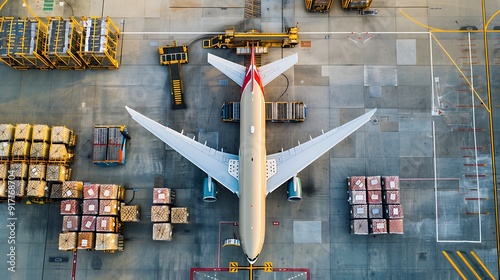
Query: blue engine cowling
x=209 y=190
x=294 y=189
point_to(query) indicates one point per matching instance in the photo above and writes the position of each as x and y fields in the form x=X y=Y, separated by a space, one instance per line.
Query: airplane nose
x=252 y=261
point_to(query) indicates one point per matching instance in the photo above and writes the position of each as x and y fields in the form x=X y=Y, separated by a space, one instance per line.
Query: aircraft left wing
x=292 y=161
x=211 y=161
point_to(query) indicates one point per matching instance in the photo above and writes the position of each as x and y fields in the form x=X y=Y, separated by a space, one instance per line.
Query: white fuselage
x=252 y=176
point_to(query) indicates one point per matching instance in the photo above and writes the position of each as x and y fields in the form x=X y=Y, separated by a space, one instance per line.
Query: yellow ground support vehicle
x=233 y=39
x=361 y=5
x=321 y=6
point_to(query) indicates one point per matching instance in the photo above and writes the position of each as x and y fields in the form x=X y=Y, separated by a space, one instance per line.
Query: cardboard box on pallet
x=395 y=226
x=130 y=213
x=41 y=133
x=375 y=211
x=5 y=150
x=393 y=211
x=88 y=223
x=72 y=189
x=374 y=183
x=68 y=241
x=37 y=171
x=179 y=215
x=23 y=131
x=359 y=211
x=91 y=191
x=56 y=191
x=163 y=196
x=162 y=231
x=19 y=187
x=40 y=150
x=109 y=207
x=86 y=240
x=374 y=197
x=36 y=188
x=359 y=226
x=19 y=169
x=106 y=241
x=390 y=183
x=90 y=207
x=7 y=132
x=357 y=197
x=160 y=213
x=110 y=191
x=378 y=226
x=356 y=183
x=57 y=173
x=391 y=197
x=70 y=223
x=105 y=224
x=21 y=149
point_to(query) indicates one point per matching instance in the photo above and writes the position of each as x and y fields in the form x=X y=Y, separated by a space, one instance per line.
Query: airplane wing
x=211 y=161
x=234 y=71
x=272 y=70
x=292 y=161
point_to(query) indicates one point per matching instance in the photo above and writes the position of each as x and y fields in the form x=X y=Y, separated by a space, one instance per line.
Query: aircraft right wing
x=211 y=161
x=292 y=161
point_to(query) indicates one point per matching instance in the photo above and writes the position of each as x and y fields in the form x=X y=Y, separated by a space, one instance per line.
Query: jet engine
x=209 y=191
x=294 y=189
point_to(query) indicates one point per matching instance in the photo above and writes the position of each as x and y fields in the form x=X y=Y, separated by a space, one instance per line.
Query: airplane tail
x=267 y=72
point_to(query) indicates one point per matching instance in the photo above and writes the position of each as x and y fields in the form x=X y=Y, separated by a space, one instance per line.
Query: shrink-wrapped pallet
x=105 y=224
x=72 y=189
x=19 y=186
x=58 y=152
x=163 y=196
x=56 y=191
x=373 y=183
x=70 y=223
x=90 y=207
x=110 y=191
x=394 y=211
x=24 y=131
x=108 y=207
x=21 y=149
x=19 y=169
x=395 y=226
x=67 y=241
x=179 y=215
x=160 y=213
x=356 y=183
x=5 y=150
x=7 y=132
x=57 y=173
x=374 y=197
x=88 y=223
x=37 y=171
x=60 y=135
x=91 y=191
x=378 y=226
x=70 y=207
x=375 y=211
x=41 y=133
x=86 y=240
x=391 y=197
x=36 y=188
x=162 y=231
x=130 y=213
x=359 y=226
x=4 y=185
x=390 y=183
x=359 y=211
x=357 y=197
x=40 y=150
x=4 y=168
x=106 y=241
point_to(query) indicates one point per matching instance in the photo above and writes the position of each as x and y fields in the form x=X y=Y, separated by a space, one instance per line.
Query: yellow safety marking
x=233 y=267
x=3 y=4
x=481 y=263
x=468 y=264
x=268 y=267
x=454 y=265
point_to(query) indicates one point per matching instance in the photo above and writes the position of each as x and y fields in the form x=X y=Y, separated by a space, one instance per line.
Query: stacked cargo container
x=275 y=112
x=108 y=148
x=97 y=222
x=374 y=205
x=6 y=139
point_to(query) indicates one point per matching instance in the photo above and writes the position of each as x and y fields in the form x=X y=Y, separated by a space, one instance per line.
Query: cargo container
x=393 y=211
x=68 y=241
x=63 y=135
x=357 y=197
x=59 y=153
x=4 y=169
x=90 y=207
x=5 y=150
x=105 y=224
x=390 y=183
x=41 y=133
x=356 y=183
x=359 y=211
x=21 y=149
x=395 y=226
x=19 y=186
x=70 y=223
x=109 y=207
x=3 y=188
x=36 y=188
x=160 y=213
x=162 y=231
x=88 y=223
x=86 y=240
x=56 y=191
x=378 y=226
x=373 y=183
x=374 y=197
x=109 y=144
x=110 y=191
x=70 y=207
x=106 y=241
x=7 y=132
x=275 y=112
x=23 y=132
x=72 y=189
x=359 y=226
x=163 y=196
x=375 y=211
x=130 y=213
x=40 y=150
x=91 y=191
x=37 y=171
x=391 y=197
x=64 y=43
x=58 y=172
x=179 y=215
x=100 y=44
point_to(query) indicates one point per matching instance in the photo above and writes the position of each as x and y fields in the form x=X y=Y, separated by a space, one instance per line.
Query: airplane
x=252 y=174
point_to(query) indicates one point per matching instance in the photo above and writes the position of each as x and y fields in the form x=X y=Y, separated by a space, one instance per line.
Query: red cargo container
x=375 y=211
x=395 y=226
x=91 y=191
x=105 y=224
x=70 y=207
x=90 y=207
x=356 y=183
x=359 y=211
x=359 y=226
x=357 y=197
x=378 y=226
x=374 y=197
x=391 y=197
x=390 y=183
x=70 y=223
x=373 y=183
x=394 y=212
x=88 y=223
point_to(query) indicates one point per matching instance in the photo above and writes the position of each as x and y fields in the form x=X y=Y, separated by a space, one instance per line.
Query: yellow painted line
x=468 y=264
x=454 y=265
x=482 y=264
